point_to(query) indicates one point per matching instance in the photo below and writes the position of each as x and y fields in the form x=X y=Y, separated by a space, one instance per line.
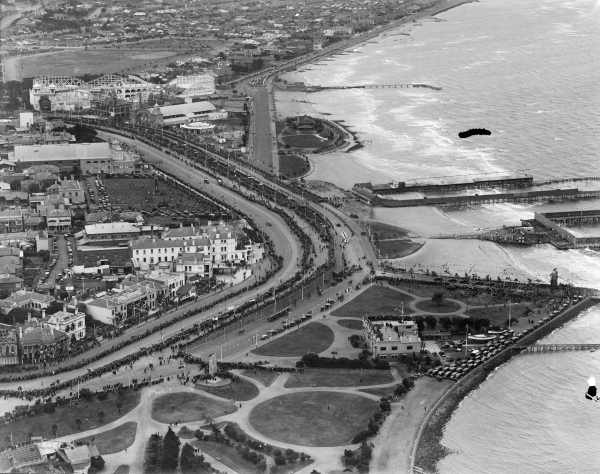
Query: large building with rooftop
x=389 y=338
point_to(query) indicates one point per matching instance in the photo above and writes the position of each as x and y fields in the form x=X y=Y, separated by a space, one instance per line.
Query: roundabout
x=313 y=418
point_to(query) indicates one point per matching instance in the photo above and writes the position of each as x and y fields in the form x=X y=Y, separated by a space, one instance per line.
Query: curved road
x=284 y=241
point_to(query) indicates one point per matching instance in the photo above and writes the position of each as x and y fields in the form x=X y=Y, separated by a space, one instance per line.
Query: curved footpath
x=284 y=241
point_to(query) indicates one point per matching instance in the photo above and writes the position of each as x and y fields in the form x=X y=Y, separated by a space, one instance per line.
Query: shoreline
x=428 y=449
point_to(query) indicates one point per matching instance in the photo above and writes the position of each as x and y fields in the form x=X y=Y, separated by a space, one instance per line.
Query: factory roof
x=111 y=228
x=62 y=152
x=186 y=109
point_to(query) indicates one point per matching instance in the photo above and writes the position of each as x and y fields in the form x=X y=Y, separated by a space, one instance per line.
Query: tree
x=431 y=321
x=170 y=451
x=101 y=416
x=438 y=298
x=190 y=463
x=78 y=423
x=153 y=454
x=54 y=430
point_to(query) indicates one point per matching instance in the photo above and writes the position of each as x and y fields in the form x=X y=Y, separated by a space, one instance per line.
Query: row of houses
x=38 y=339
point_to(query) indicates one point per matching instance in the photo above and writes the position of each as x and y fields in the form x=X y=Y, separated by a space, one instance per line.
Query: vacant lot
x=314 y=337
x=313 y=418
x=115 y=440
x=240 y=390
x=186 y=406
x=377 y=300
x=338 y=378
x=159 y=201
x=80 y=416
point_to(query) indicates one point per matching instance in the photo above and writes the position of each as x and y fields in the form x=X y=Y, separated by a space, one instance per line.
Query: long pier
x=301 y=87
x=557 y=347
x=476 y=199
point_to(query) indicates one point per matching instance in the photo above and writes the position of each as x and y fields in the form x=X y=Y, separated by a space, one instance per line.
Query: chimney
x=28 y=316
x=44 y=313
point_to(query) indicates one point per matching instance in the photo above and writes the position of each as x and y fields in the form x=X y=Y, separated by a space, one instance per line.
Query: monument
x=554 y=278
x=212 y=365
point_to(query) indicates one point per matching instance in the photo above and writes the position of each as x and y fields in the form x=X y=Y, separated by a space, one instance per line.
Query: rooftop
x=39 y=334
x=186 y=109
x=111 y=228
x=166 y=243
x=62 y=152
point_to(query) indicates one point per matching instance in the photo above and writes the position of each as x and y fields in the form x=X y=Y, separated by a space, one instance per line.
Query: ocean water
x=525 y=69
x=529 y=71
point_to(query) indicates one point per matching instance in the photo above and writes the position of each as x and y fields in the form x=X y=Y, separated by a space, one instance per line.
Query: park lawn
x=292 y=166
x=498 y=315
x=266 y=377
x=338 y=378
x=376 y=300
x=351 y=323
x=314 y=337
x=115 y=440
x=446 y=306
x=240 y=390
x=229 y=456
x=397 y=248
x=303 y=140
x=186 y=406
x=65 y=418
x=313 y=418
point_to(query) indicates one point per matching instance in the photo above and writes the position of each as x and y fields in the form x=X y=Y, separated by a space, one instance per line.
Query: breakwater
x=427 y=449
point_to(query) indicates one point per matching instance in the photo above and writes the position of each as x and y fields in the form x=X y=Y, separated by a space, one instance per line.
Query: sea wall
x=428 y=448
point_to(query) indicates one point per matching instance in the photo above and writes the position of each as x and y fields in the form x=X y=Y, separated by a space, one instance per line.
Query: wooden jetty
x=534 y=348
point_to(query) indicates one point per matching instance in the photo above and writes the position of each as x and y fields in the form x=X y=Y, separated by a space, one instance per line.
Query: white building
x=70 y=190
x=25 y=119
x=194 y=264
x=58 y=220
x=170 y=282
x=109 y=232
x=389 y=338
x=65 y=93
x=71 y=323
x=123 y=304
x=27 y=300
x=146 y=253
x=186 y=113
